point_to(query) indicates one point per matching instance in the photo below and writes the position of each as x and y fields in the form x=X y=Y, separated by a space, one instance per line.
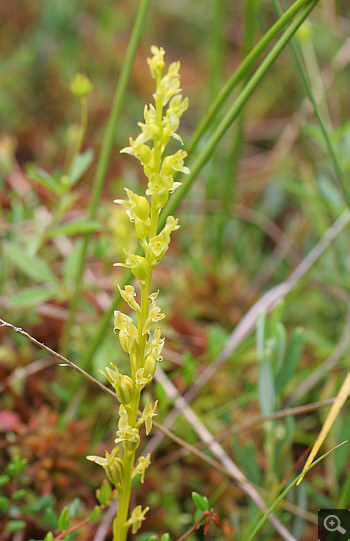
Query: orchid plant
x=143 y=341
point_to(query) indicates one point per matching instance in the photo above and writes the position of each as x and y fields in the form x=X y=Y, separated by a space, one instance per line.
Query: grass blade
x=285 y=492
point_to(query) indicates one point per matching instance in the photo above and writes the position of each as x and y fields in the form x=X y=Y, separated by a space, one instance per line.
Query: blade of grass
x=216 y=54
x=234 y=111
x=286 y=490
x=342 y=396
x=107 y=145
x=217 y=49
x=329 y=144
x=205 y=155
x=230 y=176
x=242 y=70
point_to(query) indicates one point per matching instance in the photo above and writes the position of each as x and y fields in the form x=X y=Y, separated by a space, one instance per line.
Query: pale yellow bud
x=80 y=86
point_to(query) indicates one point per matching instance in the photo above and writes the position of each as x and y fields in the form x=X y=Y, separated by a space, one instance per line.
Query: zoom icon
x=334 y=525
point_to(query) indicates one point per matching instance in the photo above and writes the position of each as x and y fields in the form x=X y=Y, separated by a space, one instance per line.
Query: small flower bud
x=80 y=86
x=114 y=471
x=144 y=153
x=141 y=228
x=138 y=264
x=141 y=271
x=304 y=32
x=149 y=367
x=124 y=389
x=124 y=339
x=156 y=63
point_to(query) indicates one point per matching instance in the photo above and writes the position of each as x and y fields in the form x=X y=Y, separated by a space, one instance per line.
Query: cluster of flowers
x=144 y=345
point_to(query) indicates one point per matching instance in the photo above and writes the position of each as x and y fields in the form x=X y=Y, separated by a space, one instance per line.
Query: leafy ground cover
x=255 y=285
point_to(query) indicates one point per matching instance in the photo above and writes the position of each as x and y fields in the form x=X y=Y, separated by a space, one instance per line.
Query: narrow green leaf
x=275 y=318
x=82 y=226
x=147 y=536
x=345 y=494
x=43 y=178
x=201 y=502
x=282 y=495
x=281 y=344
x=165 y=537
x=104 y=493
x=189 y=367
x=73 y=507
x=71 y=263
x=49 y=537
x=290 y=361
x=64 y=204
x=266 y=387
x=81 y=163
x=64 y=519
x=32 y=296
x=33 y=266
x=95 y=513
x=247 y=458
x=20 y=494
x=14 y=526
x=4 y=504
x=41 y=504
x=63 y=392
x=3 y=480
x=260 y=335
x=50 y=518
x=16 y=466
x=197 y=515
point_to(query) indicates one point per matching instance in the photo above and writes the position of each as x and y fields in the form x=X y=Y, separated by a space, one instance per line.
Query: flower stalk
x=143 y=341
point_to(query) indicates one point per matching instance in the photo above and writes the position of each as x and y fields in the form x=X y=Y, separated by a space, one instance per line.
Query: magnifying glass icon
x=332 y=524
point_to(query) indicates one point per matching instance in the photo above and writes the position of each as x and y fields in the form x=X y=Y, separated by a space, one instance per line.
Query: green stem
x=329 y=144
x=119 y=529
x=82 y=131
x=242 y=70
x=216 y=51
x=204 y=156
x=104 y=156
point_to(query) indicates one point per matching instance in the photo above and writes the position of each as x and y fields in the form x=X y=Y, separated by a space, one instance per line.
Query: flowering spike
x=160 y=123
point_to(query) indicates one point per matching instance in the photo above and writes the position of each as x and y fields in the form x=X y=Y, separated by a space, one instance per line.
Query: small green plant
x=278 y=360
x=143 y=345
x=18 y=501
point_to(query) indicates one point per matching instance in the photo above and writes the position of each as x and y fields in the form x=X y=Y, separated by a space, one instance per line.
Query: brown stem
x=209 y=515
